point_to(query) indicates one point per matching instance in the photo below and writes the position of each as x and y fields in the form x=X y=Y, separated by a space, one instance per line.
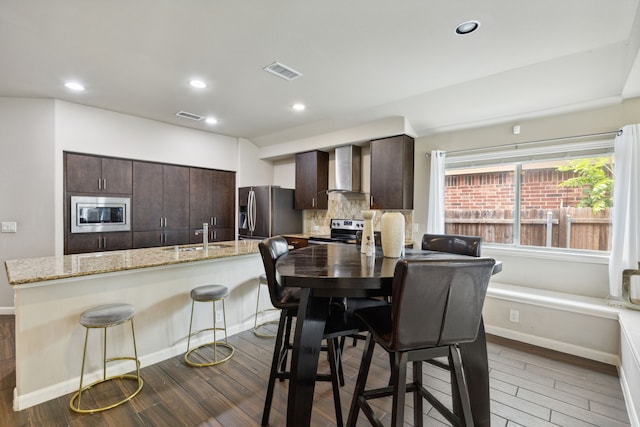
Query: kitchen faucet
x=205 y=235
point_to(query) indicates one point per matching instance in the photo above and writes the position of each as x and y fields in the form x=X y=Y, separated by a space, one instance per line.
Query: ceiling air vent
x=283 y=71
x=189 y=116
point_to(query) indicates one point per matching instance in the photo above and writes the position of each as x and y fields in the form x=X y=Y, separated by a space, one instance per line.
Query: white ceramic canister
x=392 y=234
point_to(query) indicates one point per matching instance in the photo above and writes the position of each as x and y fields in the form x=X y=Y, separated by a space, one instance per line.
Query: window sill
x=544 y=253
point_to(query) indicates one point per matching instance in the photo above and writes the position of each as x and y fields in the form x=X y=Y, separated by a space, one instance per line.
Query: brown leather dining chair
x=452 y=243
x=422 y=323
x=338 y=324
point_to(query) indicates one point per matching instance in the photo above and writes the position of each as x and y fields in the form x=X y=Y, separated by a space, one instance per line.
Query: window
x=552 y=197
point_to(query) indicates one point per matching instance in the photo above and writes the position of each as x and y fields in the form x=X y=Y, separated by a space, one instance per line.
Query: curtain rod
x=540 y=141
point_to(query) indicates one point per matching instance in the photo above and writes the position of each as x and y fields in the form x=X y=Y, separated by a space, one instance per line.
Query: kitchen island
x=51 y=292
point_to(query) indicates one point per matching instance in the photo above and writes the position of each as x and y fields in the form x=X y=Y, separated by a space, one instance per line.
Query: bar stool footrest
x=256 y=328
x=76 y=396
x=216 y=361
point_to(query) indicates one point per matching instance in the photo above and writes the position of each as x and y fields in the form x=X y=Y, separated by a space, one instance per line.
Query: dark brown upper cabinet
x=94 y=174
x=392 y=173
x=312 y=180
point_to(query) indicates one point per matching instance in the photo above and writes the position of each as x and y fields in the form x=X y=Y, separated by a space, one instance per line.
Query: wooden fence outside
x=576 y=228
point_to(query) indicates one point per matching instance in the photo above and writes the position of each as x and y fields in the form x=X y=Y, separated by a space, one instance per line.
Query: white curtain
x=435 y=215
x=625 y=239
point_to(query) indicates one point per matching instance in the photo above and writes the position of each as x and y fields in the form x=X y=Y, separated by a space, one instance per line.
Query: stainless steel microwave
x=100 y=214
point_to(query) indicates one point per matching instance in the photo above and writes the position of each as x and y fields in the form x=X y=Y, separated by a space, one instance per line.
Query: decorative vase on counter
x=392 y=234
x=367 y=233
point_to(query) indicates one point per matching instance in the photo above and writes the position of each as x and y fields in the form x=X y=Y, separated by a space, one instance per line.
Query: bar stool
x=209 y=293
x=256 y=327
x=106 y=316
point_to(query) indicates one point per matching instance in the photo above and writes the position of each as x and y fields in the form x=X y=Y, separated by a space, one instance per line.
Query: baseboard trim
x=7 y=311
x=563 y=347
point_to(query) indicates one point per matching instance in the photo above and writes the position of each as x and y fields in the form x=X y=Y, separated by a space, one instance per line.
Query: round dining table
x=329 y=271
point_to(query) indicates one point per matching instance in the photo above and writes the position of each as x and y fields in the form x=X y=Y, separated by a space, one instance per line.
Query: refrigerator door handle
x=251 y=210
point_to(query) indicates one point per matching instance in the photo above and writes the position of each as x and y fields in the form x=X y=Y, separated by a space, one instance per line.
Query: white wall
x=252 y=171
x=33 y=136
x=284 y=173
x=26 y=183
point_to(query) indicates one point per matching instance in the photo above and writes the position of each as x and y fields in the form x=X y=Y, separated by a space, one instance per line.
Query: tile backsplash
x=346 y=206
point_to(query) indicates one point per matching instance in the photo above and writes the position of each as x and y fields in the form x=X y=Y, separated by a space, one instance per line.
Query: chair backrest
x=452 y=243
x=271 y=249
x=438 y=302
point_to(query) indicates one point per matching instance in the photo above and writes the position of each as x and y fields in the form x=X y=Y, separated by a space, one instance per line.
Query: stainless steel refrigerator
x=267 y=211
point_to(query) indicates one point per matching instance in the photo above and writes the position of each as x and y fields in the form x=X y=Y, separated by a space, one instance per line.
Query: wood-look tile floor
x=529 y=387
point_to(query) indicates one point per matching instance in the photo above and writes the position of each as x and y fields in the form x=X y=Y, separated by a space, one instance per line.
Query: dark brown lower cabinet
x=297 y=242
x=223 y=234
x=215 y=235
x=150 y=239
x=97 y=242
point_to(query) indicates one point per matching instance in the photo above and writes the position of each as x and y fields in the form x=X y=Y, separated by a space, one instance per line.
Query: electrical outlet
x=514 y=316
x=9 y=227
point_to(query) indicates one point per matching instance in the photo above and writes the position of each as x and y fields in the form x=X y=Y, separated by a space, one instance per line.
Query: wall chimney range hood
x=347 y=169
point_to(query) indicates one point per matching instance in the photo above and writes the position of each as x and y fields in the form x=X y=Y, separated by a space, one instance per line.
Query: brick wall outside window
x=495 y=190
x=481 y=204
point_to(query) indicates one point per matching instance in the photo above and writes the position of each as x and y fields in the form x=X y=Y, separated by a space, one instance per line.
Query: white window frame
x=517 y=156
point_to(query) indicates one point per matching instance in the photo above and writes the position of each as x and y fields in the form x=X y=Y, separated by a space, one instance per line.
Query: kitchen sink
x=193 y=248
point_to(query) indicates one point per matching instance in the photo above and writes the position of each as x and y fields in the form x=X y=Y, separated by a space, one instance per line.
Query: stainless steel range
x=342 y=231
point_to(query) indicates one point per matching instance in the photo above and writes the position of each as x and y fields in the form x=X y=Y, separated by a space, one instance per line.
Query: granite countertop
x=33 y=270
x=407 y=243
x=305 y=235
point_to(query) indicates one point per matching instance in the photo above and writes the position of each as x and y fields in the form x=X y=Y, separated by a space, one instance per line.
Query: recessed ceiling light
x=298 y=107
x=211 y=120
x=198 y=84
x=467 y=27
x=74 y=86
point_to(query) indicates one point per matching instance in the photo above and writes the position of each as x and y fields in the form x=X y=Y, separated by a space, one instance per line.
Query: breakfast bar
x=51 y=292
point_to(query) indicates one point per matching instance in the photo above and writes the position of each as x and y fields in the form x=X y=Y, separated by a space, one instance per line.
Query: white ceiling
x=362 y=60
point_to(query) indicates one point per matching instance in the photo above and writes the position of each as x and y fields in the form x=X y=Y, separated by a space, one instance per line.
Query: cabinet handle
x=104 y=243
x=99 y=242
x=165 y=222
x=370 y=201
x=99 y=184
x=161 y=222
x=104 y=184
x=215 y=220
x=211 y=222
x=313 y=202
x=214 y=235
